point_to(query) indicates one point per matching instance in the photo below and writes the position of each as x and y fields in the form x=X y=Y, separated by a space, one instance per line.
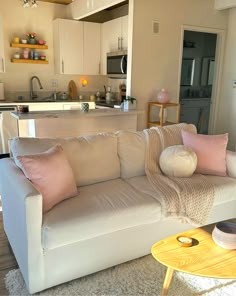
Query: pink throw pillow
x=51 y=175
x=210 y=150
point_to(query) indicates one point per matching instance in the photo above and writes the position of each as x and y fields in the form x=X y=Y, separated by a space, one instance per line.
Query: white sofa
x=115 y=217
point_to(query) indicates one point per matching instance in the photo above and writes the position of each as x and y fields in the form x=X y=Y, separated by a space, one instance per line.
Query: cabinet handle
x=62 y=66
x=3 y=66
x=119 y=43
x=99 y=68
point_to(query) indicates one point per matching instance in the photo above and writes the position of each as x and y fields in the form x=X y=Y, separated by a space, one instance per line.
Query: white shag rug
x=140 y=277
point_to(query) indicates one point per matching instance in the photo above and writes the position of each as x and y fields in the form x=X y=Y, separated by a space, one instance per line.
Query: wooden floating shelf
x=28 y=45
x=27 y=61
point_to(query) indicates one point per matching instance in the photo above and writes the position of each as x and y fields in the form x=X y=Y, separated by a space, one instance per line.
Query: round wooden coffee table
x=203 y=258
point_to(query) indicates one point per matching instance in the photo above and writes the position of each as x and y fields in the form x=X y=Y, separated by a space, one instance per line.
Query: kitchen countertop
x=73 y=113
x=26 y=102
x=29 y=102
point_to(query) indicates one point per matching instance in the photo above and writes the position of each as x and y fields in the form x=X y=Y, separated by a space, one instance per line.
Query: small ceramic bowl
x=24 y=41
x=41 y=42
x=224 y=235
x=16 y=55
x=42 y=57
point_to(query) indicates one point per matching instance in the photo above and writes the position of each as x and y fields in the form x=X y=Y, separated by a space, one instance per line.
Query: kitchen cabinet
x=76 y=106
x=114 y=38
x=197 y=112
x=92 y=48
x=2 y=57
x=51 y=106
x=79 y=9
x=68 y=46
x=76 y=47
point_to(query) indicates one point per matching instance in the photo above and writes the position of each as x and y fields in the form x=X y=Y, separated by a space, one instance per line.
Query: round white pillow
x=178 y=161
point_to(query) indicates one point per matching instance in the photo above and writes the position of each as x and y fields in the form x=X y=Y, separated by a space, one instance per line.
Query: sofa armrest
x=22 y=218
x=231 y=163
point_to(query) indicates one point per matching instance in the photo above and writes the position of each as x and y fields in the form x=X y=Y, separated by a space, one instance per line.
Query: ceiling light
x=25 y=3
x=28 y=3
x=34 y=4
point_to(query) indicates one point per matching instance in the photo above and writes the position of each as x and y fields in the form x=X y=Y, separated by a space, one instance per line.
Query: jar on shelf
x=163 y=96
x=26 y=53
x=36 y=55
x=32 y=54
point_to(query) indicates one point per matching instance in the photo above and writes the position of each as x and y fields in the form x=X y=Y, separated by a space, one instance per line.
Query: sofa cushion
x=178 y=161
x=171 y=134
x=51 y=175
x=99 y=209
x=210 y=150
x=231 y=163
x=132 y=145
x=224 y=188
x=131 y=151
x=93 y=158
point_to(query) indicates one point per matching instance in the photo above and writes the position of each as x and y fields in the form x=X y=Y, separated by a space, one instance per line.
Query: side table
x=162 y=107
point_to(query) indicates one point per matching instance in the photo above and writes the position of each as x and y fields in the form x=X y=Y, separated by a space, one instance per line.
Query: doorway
x=197 y=90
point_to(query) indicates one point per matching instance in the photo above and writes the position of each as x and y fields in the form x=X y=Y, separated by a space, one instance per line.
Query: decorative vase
x=32 y=41
x=128 y=105
x=163 y=96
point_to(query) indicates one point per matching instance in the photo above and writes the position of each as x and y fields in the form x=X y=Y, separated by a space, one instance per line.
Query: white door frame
x=217 y=81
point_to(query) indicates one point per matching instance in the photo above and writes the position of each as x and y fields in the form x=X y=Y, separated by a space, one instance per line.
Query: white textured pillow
x=178 y=161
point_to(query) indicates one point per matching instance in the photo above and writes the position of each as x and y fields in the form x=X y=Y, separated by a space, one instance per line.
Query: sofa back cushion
x=131 y=151
x=170 y=135
x=132 y=146
x=93 y=158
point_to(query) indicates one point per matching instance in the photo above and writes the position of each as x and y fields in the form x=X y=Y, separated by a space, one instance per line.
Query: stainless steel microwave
x=117 y=64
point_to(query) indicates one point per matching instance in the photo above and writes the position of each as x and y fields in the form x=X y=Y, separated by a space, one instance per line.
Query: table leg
x=167 y=281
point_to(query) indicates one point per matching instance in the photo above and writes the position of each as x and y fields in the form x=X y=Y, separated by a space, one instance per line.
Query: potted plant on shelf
x=129 y=103
x=31 y=38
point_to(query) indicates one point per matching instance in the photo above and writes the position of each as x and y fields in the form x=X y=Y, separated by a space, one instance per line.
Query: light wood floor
x=7 y=260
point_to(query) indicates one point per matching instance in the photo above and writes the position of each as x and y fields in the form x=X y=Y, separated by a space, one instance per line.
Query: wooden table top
x=203 y=258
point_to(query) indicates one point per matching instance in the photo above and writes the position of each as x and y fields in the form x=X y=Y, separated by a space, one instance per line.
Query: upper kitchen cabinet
x=2 y=57
x=92 y=48
x=76 y=47
x=68 y=46
x=114 y=38
x=79 y=9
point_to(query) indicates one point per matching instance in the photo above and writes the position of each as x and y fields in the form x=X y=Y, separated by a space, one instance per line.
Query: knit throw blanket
x=188 y=199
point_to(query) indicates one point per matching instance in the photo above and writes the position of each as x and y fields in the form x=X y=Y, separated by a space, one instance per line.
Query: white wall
x=156 y=57
x=17 y=21
x=227 y=108
x=223 y=4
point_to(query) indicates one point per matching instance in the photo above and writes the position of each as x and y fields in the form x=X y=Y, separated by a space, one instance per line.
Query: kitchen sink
x=40 y=99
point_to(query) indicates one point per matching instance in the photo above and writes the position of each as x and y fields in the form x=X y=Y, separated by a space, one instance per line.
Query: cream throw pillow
x=178 y=161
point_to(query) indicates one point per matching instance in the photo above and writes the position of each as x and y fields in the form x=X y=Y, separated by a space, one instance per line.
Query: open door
x=197 y=78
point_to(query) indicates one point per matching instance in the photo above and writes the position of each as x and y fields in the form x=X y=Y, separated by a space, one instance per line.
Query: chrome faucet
x=33 y=94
